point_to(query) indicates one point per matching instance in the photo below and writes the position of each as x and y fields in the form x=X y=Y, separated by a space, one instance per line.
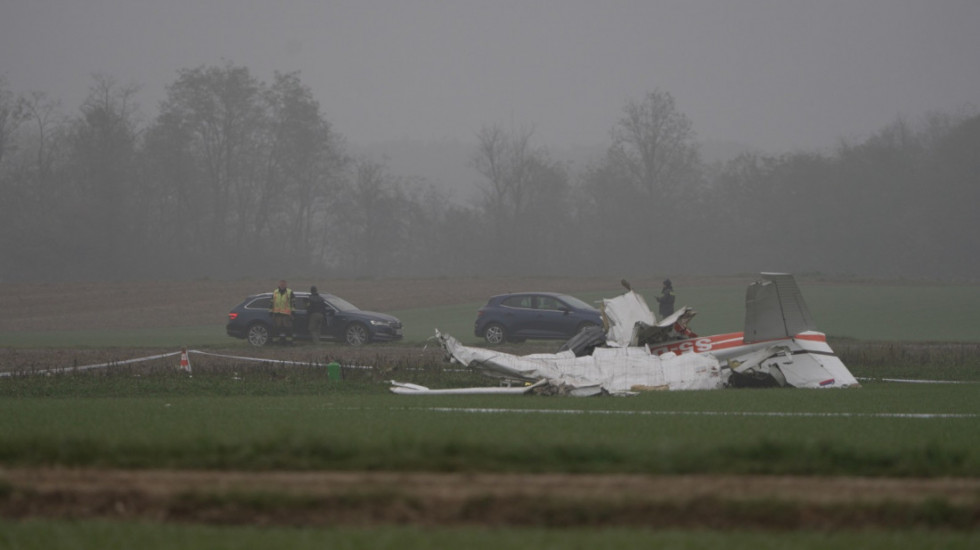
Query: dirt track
x=68 y=306
x=362 y=498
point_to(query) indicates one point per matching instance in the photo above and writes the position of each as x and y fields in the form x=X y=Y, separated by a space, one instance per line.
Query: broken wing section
x=406 y=388
x=614 y=370
x=813 y=364
x=797 y=364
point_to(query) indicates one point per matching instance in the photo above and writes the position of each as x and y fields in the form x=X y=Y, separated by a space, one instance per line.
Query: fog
x=774 y=74
x=417 y=81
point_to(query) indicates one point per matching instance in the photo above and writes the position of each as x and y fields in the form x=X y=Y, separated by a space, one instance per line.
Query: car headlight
x=380 y=323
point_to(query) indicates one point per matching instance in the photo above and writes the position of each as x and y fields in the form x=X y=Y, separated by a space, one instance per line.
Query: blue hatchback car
x=343 y=322
x=520 y=316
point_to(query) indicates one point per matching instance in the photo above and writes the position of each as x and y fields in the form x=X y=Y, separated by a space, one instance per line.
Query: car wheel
x=494 y=334
x=258 y=334
x=356 y=335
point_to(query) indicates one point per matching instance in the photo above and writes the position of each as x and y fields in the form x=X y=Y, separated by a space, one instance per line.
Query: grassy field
x=844 y=433
x=295 y=418
x=46 y=535
x=259 y=417
x=276 y=418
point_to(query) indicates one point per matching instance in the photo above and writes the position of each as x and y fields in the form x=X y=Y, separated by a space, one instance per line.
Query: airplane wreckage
x=778 y=347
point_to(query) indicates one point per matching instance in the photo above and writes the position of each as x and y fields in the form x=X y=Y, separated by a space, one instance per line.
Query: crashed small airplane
x=779 y=346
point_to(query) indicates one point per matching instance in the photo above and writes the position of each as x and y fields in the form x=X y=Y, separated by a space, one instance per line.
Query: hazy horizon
x=775 y=75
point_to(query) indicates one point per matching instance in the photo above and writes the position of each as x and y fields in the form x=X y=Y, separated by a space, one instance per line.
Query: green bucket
x=333 y=371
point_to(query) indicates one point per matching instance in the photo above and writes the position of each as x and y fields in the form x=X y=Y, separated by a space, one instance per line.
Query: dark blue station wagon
x=520 y=316
x=343 y=322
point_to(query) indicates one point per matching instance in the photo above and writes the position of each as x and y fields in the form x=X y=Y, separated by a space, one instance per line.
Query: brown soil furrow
x=315 y=498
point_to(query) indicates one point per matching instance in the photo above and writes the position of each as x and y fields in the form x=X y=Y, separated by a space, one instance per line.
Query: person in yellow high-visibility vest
x=282 y=314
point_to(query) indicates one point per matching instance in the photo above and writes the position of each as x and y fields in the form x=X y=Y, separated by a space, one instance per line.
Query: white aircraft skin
x=805 y=352
x=783 y=350
x=778 y=318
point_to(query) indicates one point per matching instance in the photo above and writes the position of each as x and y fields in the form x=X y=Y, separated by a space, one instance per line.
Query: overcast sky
x=774 y=74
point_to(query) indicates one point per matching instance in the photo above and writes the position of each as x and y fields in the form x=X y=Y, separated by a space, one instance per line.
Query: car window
x=301 y=303
x=576 y=303
x=547 y=302
x=518 y=301
x=340 y=303
x=260 y=303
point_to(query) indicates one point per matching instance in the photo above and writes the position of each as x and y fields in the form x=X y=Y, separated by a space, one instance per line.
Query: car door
x=517 y=315
x=332 y=322
x=552 y=318
x=301 y=327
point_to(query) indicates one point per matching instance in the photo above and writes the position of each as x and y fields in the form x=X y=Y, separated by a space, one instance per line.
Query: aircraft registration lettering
x=699 y=345
x=702 y=345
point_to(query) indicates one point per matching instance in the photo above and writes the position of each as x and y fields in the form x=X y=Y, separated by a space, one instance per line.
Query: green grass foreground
x=278 y=418
x=296 y=418
x=45 y=535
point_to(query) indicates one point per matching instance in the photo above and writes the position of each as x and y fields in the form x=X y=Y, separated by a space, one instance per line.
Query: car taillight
x=232 y=316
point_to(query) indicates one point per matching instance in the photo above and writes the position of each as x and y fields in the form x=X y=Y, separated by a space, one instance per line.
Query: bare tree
x=650 y=171
x=103 y=145
x=214 y=122
x=306 y=161
x=524 y=188
x=655 y=144
x=46 y=119
x=508 y=162
x=371 y=221
x=12 y=115
x=33 y=219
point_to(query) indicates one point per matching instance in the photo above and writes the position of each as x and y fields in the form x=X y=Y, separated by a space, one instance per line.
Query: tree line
x=236 y=177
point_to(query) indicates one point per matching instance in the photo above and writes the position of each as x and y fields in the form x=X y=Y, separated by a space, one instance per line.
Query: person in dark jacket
x=315 y=313
x=666 y=299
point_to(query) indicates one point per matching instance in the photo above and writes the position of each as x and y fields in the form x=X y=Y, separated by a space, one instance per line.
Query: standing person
x=666 y=299
x=282 y=313
x=315 y=313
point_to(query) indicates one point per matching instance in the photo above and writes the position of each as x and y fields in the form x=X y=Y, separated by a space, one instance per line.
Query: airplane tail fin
x=774 y=308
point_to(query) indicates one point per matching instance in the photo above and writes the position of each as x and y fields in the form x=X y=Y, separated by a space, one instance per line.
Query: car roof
x=528 y=293
x=302 y=293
